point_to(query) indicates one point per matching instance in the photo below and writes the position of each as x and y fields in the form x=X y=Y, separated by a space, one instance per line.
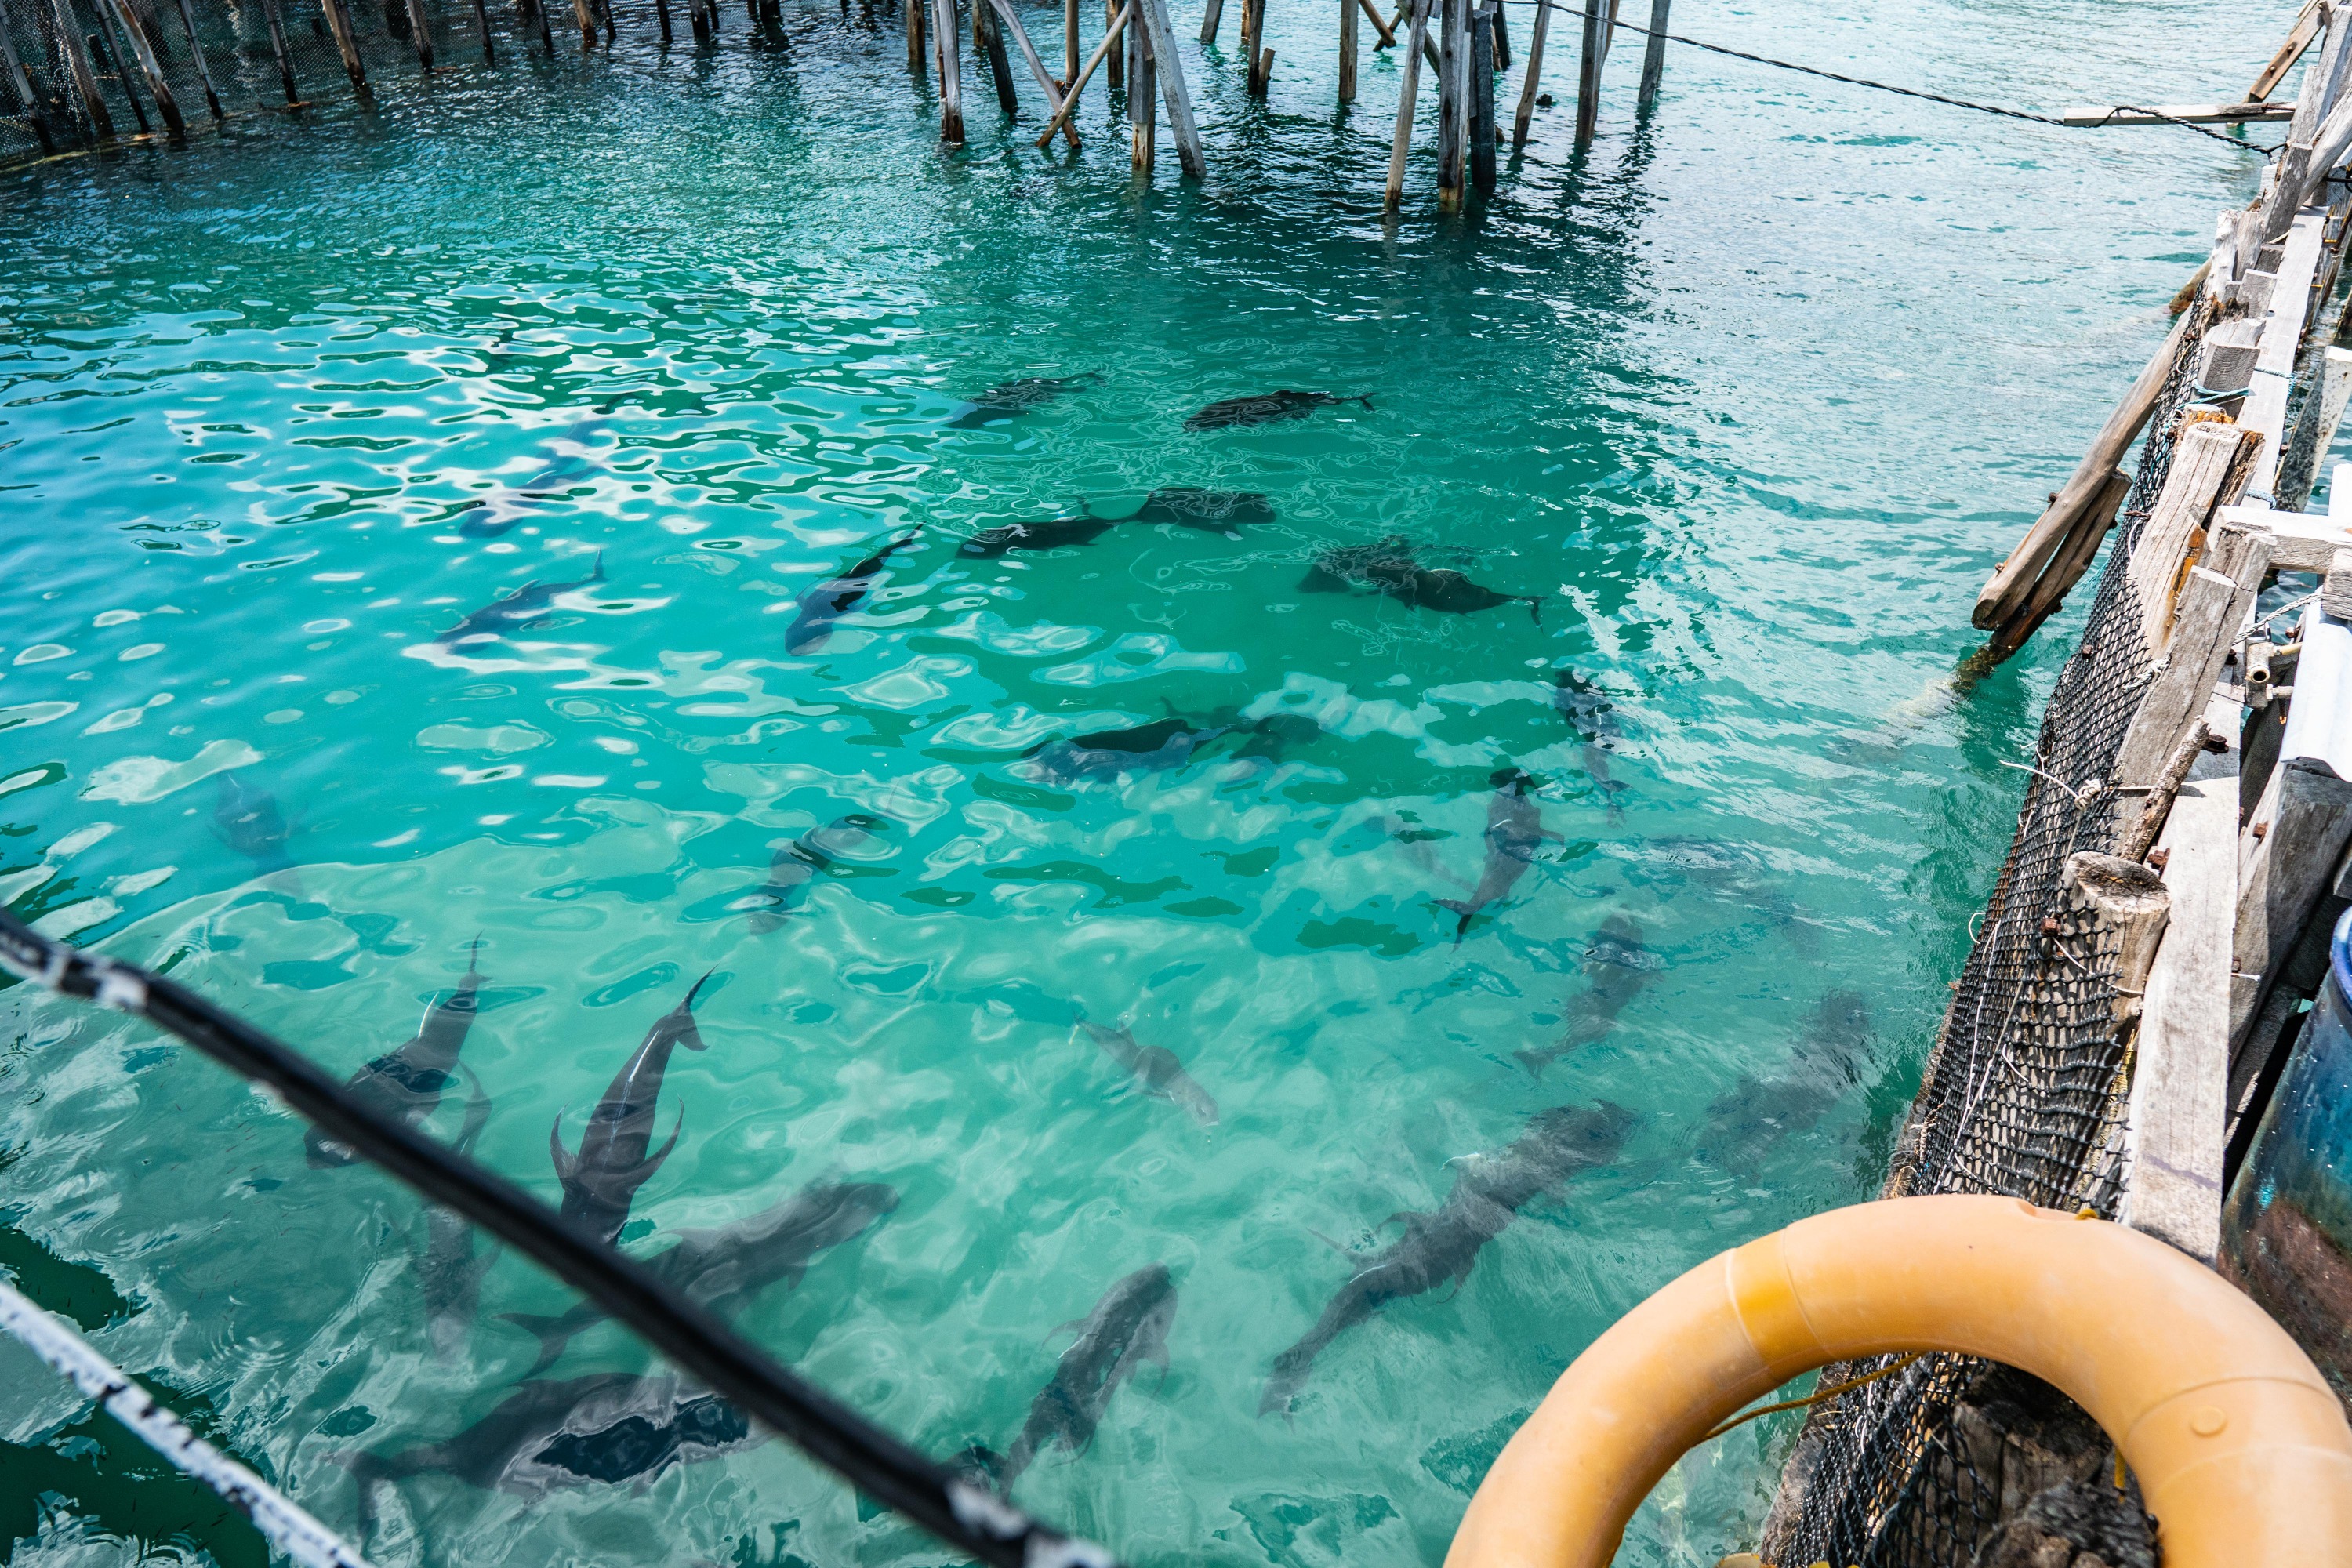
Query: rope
x=2243 y=146
x=290 y=1528
x=956 y=1510
x=1831 y=1392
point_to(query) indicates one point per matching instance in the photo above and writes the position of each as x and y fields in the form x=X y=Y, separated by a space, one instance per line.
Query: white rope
x=290 y=1528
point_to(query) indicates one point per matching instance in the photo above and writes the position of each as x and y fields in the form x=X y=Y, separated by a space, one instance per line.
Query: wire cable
x=890 y=1472
x=287 y=1525
x=2005 y=113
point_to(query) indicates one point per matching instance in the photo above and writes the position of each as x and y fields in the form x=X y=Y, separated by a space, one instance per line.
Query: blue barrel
x=2286 y=1229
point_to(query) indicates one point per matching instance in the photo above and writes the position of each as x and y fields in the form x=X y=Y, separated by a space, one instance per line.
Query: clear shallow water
x=1750 y=400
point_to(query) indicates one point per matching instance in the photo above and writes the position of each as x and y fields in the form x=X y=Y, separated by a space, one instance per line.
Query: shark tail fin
x=1535 y=608
x=567 y=1164
x=551 y=1332
x=692 y=1038
x=1367 y=401
x=1466 y=911
x=1534 y=1061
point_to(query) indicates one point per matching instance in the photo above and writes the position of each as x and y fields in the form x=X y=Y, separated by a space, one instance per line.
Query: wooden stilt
x=421 y=29
x=1010 y=19
x=85 y=79
x=149 y=66
x=1248 y=38
x=21 y=80
x=583 y=11
x=110 y=57
x=1069 y=44
x=1404 y=104
x=1654 y=56
x=915 y=51
x=1117 y=57
x=338 y=22
x=1212 y=15
x=992 y=33
x=1387 y=38
x=1535 y=71
x=1453 y=118
x=278 y=46
x=1347 y=9
x=1587 y=77
x=547 y=30
x=490 y=49
x=1482 y=100
x=1142 y=111
x=661 y=15
x=1070 y=99
x=943 y=25
x=603 y=5
x=1174 y=92
x=196 y=52
x=1502 y=35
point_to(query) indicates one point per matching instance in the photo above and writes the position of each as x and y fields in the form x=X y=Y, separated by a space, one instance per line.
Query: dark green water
x=1748 y=399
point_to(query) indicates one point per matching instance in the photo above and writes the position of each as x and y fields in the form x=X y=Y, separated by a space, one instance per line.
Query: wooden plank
x=1174 y=93
x=2212 y=607
x=2282 y=336
x=2315 y=428
x=2201 y=461
x=2179 y=1088
x=2285 y=859
x=1535 y=71
x=2167 y=113
x=2298 y=38
x=1653 y=57
x=2066 y=569
x=2290 y=176
x=1410 y=91
x=1349 y=10
x=150 y=67
x=2006 y=590
x=1070 y=100
x=2300 y=542
x=1045 y=84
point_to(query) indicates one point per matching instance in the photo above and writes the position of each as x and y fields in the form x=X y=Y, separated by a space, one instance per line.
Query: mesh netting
x=2023 y=1093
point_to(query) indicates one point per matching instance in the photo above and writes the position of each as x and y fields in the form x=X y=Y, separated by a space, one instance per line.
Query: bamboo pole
x=1070 y=99
x=1535 y=71
x=338 y=22
x=85 y=79
x=1412 y=90
x=278 y=47
x=196 y=51
x=21 y=81
x=1588 y=76
x=1653 y=57
x=109 y=55
x=1175 y=93
x=1010 y=19
x=1452 y=77
x=1347 y=10
x=166 y=104
x=950 y=73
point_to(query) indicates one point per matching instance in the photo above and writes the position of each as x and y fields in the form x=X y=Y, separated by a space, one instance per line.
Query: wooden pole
x=196 y=51
x=1482 y=100
x=1174 y=91
x=992 y=39
x=1008 y=18
x=1452 y=77
x=278 y=47
x=21 y=80
x=1535 y=70
x=1212 y=16
x=1502 y=35
x=1261 y=59
x=2298 y=38
x=1654 y=56
x=943 y=25
x=1412 y=90
x=1587 y=77
x=1348 y=11
x=110 y=57
x=1387 y=38
x=150 y=68
x=1070 y=99
x=422 y=28
x=547 y=30
x=1069 y=46
x=584 y=13
x=661 y=14
x=85 y=79
x=338 y=22
x=915 y=50
x=1142 y=113
x=1117 y=60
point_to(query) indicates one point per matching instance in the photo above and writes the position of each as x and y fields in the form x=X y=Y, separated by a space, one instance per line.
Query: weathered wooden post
x=1000 y=65
x=1587 y=77
x=421 y=29
x=1142 y=112
x=338 y=22
x=583 y=14
x=1535 y=70
x=951 y=64
x=85 y=79
x=916 y=51
x=1212 y=16
x=149 y=66
x=1502 y=35
x=1412 y=90
x=1347 y=9
x=1654 y=56
x=1069 y=44
x=278 y=47
x=21 y=80
x=1482 y=99
x=1103 y=51
x=1453 y=118
x=661 y=15
x=1115 y=64
x=1009 y=20
x=1168 y=70
x=1261 y=59
x=196 y=52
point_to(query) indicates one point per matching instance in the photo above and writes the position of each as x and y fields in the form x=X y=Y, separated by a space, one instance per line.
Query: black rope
x=1913 y=91
x=958 y=1511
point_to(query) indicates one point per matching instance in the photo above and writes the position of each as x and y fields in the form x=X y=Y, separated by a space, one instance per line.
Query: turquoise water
x=1748 y=399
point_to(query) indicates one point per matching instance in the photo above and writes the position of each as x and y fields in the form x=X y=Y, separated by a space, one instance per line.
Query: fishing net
x=2024 y=1092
